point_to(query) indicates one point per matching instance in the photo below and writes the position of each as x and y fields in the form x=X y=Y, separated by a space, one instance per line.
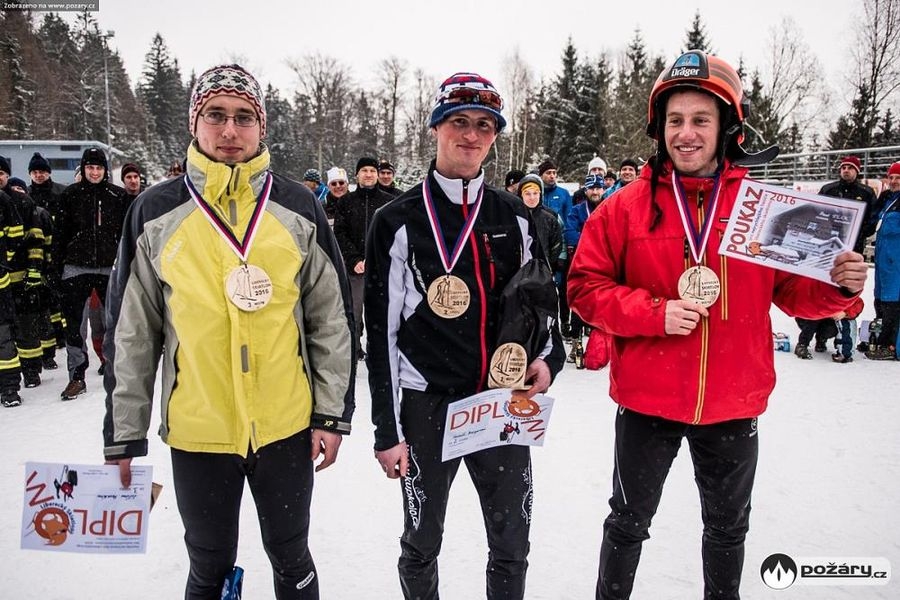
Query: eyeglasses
x=337 y=183
x=488 y=98
x=215 y=117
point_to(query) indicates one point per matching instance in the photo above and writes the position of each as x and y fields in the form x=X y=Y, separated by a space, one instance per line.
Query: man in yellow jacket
x=232 y=276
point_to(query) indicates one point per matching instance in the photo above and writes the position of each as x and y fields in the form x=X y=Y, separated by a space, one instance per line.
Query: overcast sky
x=464 y=35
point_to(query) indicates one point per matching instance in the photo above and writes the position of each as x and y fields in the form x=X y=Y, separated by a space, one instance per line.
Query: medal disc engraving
x=508 y=365
x=699 y=284
x=448 y=296
x=248 y=287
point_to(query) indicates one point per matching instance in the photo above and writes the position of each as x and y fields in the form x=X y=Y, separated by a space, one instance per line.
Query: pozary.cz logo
x=780 y=571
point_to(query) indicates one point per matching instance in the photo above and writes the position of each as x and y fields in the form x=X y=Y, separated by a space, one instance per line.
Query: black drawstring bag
x=529 y=308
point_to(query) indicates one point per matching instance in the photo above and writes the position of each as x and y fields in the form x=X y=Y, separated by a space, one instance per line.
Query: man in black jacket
x=351 y=223
x=88 y=229
x=437 y=261
x=848 y=186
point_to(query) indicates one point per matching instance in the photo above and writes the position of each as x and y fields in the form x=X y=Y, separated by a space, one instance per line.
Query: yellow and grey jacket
x=232 y=380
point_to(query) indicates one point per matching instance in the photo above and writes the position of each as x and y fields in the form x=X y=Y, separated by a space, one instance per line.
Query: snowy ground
x=827 y=485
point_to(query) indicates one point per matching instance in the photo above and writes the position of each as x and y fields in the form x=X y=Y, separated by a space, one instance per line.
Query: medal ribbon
x=240 y=247
x=449 y=258
x=696 y=239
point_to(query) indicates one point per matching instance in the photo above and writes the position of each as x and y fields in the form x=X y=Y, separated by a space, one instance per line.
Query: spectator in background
x=43 y=190
x=351 y=225
x=26 y=262
x=512 y=179
x=546 y=222
x=627 y=174
x=847 y=187
x=338 y=187
x=176 y=169
x=313 y=180
x=846 y=332
x=558 y=199
x=88 y=229
x=886 y=223
x=386 y=179
x=593 y=189
x=131 y=180
x=11 y=234
x=597 y=166
x=46 y=194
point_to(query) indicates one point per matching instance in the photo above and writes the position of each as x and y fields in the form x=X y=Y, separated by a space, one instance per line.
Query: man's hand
x=124 y=470
x=394 y=461
x=683 y=316
x=850 y=271
x=325 y=444
x=538 y=377
x=360 y=267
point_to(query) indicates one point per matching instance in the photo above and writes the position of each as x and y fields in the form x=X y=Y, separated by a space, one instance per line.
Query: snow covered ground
x=828 y=485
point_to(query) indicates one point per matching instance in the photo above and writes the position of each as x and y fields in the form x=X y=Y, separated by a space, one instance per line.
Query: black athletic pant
x=890 y=322
x=74 y=292
x=502 y=478
x=208 y=488
x=822 y=329
x=724 y=457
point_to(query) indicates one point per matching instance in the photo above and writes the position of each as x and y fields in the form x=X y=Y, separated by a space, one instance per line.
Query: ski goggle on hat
x=467 y=91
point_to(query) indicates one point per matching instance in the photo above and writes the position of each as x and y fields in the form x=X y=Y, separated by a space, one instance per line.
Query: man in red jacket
x=692 y=355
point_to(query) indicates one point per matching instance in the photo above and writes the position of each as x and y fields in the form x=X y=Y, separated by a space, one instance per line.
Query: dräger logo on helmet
x=685 y=72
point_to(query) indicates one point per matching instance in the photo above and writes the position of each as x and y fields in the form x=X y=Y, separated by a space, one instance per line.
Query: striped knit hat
x=466 y=91
x=227 y=80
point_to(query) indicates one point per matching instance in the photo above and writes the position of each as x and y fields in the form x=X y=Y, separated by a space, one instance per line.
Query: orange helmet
x=696 y=69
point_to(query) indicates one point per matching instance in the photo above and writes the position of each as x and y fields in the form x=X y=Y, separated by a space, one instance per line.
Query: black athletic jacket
x=410 y=346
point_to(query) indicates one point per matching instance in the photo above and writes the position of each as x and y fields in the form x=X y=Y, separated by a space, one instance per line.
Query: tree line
x=54 y=77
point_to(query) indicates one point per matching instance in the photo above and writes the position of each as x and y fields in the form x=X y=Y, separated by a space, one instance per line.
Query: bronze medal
x=508 y=365
x=248 y=287
x=448 y=296
x=699 y=284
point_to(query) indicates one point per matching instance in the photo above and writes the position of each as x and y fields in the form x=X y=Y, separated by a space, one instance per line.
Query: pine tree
x=281 y=136
x=857 y=128
x=16 y=95
x=165 y=97
x=635 y=80
x=696 y=37
x=559 y=110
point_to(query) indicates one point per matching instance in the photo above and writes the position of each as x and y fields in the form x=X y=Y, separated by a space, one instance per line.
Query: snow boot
x=10 y=398
x=802 y=351
x=75 y=388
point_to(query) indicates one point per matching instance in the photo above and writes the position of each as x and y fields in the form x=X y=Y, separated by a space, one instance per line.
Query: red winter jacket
x=623 y=274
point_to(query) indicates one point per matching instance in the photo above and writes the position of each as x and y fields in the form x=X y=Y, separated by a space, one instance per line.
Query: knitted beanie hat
x=227 y=80
x=39 y=163
x=466 y=91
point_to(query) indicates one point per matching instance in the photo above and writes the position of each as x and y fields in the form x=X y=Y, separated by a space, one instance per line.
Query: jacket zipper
x=482 y=342
x=490 y=257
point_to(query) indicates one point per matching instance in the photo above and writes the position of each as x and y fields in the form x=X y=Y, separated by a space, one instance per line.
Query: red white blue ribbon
x=240 y=247
x=696 y=239
x=449 y=259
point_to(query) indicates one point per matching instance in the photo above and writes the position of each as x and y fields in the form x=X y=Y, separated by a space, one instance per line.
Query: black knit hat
x=386 y=165
x=366 y=161
x=39 y=163
x=512 y=177
x=628 y=163
x=94 y=156
x=547 y=165
x=129 y=168
x=4 y=165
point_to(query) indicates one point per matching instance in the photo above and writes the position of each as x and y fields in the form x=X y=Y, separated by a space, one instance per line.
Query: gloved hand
x=33 y=279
